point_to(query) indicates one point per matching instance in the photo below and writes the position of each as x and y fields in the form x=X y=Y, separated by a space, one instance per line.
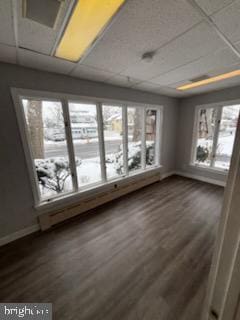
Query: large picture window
x=215 y=133
x=73 y=145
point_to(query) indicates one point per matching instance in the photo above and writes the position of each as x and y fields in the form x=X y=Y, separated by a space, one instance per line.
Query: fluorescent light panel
x=205 y=82
x=88 y=20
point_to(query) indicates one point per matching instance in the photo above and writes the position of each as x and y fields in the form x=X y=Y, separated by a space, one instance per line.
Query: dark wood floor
x=145 y=256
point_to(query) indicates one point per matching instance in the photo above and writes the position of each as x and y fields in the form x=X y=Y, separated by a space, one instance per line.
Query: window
x=205 y=132
x=134 y=115
x=216 y=128
x=84 y=128
x=72 y=145
x=151 y=125
x=48 y=146
x=226 y=136
x=113 y=140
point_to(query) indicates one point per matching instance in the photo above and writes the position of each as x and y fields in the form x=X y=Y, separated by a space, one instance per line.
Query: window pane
x=205 y=127
x=112 y=121
x=84 y=128
x=47 y=139
x=226 y=136
x=151 y=124
x=134 y=138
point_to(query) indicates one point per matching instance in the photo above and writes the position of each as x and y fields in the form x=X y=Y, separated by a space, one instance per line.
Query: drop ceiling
x=186 y=45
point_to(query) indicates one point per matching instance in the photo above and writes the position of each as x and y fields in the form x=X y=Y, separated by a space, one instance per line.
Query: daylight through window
x=216 y=129
x=75 y=145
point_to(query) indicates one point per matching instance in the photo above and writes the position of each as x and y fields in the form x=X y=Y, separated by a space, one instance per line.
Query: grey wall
x=16 y=199
x=185 y=129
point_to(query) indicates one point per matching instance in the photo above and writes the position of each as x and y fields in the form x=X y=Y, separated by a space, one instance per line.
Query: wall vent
x=204 y=77
x=44 y=12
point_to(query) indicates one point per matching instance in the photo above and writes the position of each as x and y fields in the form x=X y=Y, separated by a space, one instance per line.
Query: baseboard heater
x=49 y=219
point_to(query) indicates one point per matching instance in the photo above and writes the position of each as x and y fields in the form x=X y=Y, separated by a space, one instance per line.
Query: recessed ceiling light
x=87 y=21
x=205 y=82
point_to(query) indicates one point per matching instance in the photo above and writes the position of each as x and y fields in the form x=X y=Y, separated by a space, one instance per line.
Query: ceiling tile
x=172 y=92
x=179 y=83
x=43 y=62
x=6 y=23
x=90 y=73
x=38 y=37
x=214 y=61
x=122 y=81
x=225 y=69
x=147 y=86
x=141 y=26
x=152 y=87
x=194 y=44
x=213 y=86
x=211 y=6
x=228 y=21
x=8 y=54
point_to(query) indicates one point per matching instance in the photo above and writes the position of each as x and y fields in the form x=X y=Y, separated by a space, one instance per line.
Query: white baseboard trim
x=36 y=227
x=19 y=234
x=201 y=178
x=166 y=175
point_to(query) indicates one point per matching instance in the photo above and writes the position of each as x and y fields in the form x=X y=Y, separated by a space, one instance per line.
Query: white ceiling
x=186 y=45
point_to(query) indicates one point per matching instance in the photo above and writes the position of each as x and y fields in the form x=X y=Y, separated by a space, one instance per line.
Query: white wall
x=185 y=130
x=16 y=199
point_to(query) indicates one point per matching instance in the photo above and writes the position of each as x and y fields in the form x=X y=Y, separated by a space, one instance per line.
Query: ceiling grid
x=189 y=39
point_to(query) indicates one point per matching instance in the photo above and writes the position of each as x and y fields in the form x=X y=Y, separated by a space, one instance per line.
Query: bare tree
x=35 y=127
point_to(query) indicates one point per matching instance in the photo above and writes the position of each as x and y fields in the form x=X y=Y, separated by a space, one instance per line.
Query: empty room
x=120 y=159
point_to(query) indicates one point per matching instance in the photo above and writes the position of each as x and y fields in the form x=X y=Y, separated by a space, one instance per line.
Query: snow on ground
x=225 y=144
x=224 y=150
x=90 y=171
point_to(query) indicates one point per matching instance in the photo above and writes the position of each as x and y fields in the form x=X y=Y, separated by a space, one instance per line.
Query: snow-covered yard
x=224 y=146
x=54 y=173
x=224 y=149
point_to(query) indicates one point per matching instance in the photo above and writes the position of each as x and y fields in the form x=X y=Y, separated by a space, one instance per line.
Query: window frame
x=218 y=106
x=64 y=98
x=123 y=106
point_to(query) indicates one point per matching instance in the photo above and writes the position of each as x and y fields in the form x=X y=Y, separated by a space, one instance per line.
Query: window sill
x=209 y=169
x=93 y=190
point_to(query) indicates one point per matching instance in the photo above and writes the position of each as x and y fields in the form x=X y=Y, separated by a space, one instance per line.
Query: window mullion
x=215 y=136
x=72 y=159
x=195 y=136
x=143 y=140
x=101 y=142
x=158 y=139
x=125 y=139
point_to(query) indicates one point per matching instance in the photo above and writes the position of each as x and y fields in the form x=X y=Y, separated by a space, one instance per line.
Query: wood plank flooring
x=145 y=256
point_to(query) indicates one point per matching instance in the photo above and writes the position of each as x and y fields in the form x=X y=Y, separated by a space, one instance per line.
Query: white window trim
x=101 y=143
x=19 y=93
x=143 y=139
x=70 y=146
x=125 y=139
x=219 y=106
